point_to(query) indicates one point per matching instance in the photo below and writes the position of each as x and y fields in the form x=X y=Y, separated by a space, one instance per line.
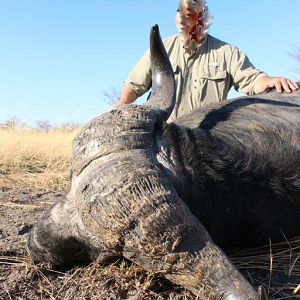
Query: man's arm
x=264 y=83
x=247 y=79
x=138 y=82
x=128 y=96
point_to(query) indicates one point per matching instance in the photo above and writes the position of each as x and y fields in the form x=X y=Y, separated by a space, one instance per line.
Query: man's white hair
x=193 y=20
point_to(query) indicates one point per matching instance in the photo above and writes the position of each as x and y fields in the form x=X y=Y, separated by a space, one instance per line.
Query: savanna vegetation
x=35 y=158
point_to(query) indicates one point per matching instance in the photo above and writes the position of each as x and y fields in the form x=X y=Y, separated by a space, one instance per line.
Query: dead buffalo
x=169 y=196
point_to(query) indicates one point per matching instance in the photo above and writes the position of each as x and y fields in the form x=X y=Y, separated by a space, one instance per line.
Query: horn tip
x=155 y=29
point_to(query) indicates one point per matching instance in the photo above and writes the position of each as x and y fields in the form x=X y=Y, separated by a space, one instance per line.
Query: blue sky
x=57 y=56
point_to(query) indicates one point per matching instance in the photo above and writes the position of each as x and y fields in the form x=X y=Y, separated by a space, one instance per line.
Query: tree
x=112 y=95
x=44 y=125
x=13 y=123
x=69 y=126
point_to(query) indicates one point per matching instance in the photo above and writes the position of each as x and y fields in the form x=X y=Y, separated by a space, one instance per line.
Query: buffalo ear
x=262 y=295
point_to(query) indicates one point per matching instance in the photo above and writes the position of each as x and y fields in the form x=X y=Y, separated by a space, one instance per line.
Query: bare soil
x=21 y=279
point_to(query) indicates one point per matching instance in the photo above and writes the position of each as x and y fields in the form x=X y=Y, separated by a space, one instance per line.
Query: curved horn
x=163 y=82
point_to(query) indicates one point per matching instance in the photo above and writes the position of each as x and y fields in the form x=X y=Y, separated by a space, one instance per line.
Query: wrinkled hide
x=167 y=196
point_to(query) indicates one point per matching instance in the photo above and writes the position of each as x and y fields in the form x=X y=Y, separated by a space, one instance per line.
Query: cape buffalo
x=169 y=197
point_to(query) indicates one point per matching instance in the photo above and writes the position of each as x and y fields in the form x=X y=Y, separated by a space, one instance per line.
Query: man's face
x=188 y=19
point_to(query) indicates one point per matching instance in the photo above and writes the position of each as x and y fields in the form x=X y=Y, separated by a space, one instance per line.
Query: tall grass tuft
x=34 y=158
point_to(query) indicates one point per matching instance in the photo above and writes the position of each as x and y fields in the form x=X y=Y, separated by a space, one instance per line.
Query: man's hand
x=265 y=83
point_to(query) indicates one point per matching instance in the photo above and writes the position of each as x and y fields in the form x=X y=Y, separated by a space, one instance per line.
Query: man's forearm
x=128 y=96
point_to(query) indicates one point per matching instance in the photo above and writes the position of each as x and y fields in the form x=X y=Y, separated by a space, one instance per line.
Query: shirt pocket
x=213 y=84
x=213 y=74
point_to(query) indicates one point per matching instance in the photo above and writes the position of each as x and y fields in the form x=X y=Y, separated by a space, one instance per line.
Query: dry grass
x=276 y=267
x=120 y=280
x=33 y=158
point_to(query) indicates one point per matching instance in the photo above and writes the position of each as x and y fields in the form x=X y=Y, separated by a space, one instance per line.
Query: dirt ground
x=21 y=279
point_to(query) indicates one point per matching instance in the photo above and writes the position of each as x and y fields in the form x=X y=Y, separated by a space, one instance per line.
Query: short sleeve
x=243 y=72
x=139 y=80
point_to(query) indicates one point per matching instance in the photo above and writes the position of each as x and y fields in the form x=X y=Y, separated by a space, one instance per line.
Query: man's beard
x=192 y=20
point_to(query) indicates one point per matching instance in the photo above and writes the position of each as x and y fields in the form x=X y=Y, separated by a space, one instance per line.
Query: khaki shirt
x=203 y=77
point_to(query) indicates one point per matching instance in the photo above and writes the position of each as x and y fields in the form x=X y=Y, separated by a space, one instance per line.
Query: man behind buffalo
x=205 y=68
